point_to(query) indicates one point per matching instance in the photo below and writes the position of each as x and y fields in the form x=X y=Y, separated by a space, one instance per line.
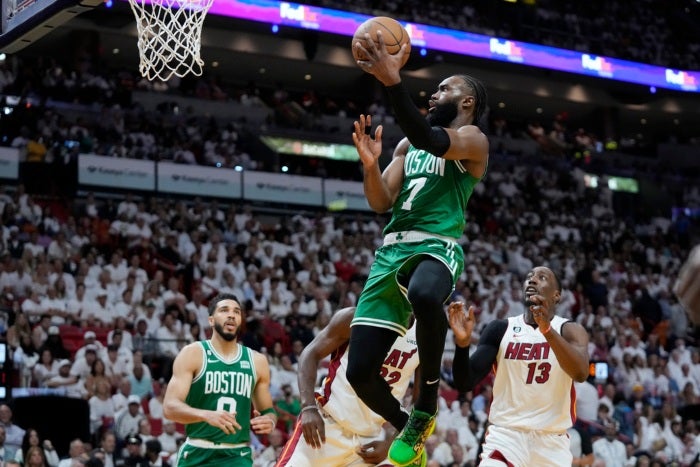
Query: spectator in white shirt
x=169 y=438
x=102 y=412
x=90 y=342
x=587 y=401
x=121 y=396
x=31 y=306
x=105 y=283
x=444 y=451
x=197 y=308
x=211 y=281
x=285 y=374
x=15 y=279
x=135 y=287
x=117 y=267
x=215 y=245
x=101 y=312
x=168 y=337
x=515 y=302
x=120 y=335
x=150 y=316
x=128 y=206
x=47 y=366
x=124 y=307
x=76 y=306
x=155 y=403
x=609 y=449
x=69 y=382
x=139 y=273
x=173 y=295
x=127 y=423
x=138 y=233
x=229 y=285
x=33 y=246
x=54 y=306
x=59 y=248
x=77 y=454
x=118 y=364
x=58 y=271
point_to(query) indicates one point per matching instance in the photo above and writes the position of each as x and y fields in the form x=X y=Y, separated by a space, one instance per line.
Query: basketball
x=395 y=35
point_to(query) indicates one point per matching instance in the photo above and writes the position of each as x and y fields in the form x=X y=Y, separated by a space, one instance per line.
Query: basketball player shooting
x=426 y=186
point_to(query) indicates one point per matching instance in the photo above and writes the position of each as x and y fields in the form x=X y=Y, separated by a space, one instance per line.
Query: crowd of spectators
x=660 y=33
x=99 y=297
x=59 y=133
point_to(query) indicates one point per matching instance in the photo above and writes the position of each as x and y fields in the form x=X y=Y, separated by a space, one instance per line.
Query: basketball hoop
x=170 y=36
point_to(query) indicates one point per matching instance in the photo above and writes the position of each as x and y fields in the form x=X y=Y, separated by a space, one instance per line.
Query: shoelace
x=413 y=431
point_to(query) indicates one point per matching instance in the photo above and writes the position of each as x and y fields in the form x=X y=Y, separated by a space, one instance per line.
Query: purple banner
x=464 y=43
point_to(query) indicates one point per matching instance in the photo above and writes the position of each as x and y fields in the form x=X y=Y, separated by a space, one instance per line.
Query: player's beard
x=227 y=336
x=443 y=114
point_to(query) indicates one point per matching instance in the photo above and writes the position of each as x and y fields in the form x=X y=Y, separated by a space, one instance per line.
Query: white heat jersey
x=339 y=400
x=531 y=391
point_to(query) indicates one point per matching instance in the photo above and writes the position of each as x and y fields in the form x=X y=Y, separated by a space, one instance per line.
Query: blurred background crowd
x=100 y=290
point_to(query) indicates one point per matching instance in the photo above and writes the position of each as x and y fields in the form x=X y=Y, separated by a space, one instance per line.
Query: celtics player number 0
x=227 y=404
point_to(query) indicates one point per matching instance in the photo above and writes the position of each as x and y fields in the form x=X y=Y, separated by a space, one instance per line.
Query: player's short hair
x=556 y=278
x=480 y=96
x=222 y=296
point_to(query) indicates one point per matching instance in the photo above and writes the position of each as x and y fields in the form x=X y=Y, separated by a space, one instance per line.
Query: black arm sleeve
x=468 y=371
x=434 y=139
x=586 y=442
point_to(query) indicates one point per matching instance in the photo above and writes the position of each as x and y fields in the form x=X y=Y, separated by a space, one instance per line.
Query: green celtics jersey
x=433 y=197
x=223 y=385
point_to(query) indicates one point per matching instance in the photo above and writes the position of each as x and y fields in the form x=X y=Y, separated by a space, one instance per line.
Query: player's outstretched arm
x=335 y=334
x=469 y=370
x=187 y=364
x=381 y=188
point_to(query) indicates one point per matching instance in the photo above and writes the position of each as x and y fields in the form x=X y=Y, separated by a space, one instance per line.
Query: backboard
x=26 y=21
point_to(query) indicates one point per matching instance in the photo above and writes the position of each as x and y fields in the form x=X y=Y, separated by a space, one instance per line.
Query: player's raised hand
x=379 y=62
x=462 y=323
x=539 y=307
x=369 y=149
x=313 y=427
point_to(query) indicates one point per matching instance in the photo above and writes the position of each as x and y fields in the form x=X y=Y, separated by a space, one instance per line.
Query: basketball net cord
x=170 y=36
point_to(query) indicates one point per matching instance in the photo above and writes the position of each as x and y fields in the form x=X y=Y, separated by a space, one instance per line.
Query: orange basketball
x=394 y=34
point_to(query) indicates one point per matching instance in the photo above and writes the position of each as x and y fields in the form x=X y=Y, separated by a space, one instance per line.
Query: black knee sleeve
x=369 y=347
x=430 y=285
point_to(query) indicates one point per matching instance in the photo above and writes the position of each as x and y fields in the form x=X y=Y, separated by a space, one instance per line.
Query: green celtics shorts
x=384 y=302
x=195 y=456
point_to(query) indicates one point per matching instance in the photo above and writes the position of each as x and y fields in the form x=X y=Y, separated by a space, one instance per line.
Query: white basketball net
x=170 y=36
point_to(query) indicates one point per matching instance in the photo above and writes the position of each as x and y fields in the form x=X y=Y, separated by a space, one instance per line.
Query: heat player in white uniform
x=335 y=428
x=536 y=357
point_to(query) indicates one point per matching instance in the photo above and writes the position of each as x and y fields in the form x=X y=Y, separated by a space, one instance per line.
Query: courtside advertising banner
x=199 y=181
x=9 y=163
x=341 y=195
x=127 y=174
x=282 y=188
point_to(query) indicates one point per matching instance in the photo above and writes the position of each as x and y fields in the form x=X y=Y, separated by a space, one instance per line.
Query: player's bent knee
x=423 y=300
x=359 y=378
